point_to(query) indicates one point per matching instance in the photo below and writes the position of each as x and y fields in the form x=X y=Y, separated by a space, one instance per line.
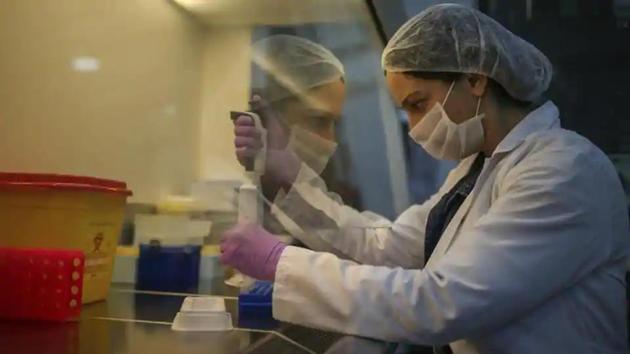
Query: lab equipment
x=202 y=322
x=126 y=265
x=282 y=163
x=65 y=212
x=459 y=39
x=202 y=313
x=171 y=229
x=250 y=206
x=249 y=201
x=41 y=284
x=203 y=304
x=255 y=306
x=168 y=268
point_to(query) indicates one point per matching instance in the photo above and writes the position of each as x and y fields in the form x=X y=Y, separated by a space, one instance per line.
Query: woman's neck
x=499 y=122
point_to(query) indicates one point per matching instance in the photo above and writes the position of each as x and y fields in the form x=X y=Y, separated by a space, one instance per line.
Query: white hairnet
x=292 y=65
x=454 y=38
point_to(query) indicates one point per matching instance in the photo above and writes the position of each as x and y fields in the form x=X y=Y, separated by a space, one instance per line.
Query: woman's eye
x=417 y=106
x=320 y=122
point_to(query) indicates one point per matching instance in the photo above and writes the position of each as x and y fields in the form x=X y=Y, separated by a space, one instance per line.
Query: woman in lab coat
x=523 y=248
x=303 y=87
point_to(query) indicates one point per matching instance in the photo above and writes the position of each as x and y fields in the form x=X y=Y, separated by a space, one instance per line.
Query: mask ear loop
x=450 y=89
x=478 y=106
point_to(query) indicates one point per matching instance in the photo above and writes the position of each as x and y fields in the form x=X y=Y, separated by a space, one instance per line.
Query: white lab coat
x=533 y=261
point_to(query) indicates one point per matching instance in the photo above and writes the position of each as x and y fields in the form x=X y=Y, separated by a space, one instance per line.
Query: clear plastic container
x=202 y=322
x=202 y=304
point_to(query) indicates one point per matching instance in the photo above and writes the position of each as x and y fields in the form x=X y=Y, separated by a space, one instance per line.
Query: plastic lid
x=203 y=304
x=63 y=182
x=202 y=322
x=177 y=204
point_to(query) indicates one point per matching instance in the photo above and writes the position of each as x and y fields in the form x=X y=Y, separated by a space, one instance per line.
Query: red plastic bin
x=41 y=284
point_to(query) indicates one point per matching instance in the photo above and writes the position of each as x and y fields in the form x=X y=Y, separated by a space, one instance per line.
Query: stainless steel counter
x=131 y=321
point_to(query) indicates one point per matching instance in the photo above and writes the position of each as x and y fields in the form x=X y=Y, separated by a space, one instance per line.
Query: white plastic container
x=202 y=322
x=203 y=304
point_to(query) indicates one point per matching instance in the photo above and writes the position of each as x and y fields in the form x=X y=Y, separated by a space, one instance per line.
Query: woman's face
x=319 y=110
x=417 y=96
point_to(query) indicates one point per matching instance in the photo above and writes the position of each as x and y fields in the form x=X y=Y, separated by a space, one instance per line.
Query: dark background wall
x=588 y=42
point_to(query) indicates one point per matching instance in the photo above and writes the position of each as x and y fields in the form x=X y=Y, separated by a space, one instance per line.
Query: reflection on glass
x=141 y=92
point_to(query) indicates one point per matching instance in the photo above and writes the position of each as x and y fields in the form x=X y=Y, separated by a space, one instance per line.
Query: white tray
x=202 y=322
x=203 y=304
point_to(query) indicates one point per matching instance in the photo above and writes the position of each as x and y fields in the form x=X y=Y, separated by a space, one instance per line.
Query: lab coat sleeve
x=538 y=238
x=319 y=219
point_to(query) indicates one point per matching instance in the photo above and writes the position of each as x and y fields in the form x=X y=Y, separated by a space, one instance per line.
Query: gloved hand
x=282 y=165
x=252 y=250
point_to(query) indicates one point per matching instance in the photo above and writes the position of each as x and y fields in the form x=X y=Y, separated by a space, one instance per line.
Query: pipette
x=250 y=204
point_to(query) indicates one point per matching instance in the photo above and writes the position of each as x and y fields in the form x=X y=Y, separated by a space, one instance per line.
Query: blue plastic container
x=169 y=268
x=254 y=307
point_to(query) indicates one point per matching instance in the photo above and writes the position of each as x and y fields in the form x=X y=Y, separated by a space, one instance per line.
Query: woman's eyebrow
x=415 y=95
x=317 y=113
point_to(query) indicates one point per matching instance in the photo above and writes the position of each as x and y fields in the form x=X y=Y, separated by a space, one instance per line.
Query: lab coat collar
x=542 y=118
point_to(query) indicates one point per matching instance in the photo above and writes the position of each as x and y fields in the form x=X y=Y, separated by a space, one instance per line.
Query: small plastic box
x=203 y=313
x=41 y=284
x=203 y=304
x=255 y=307
x=202 y=322
x=168 y=268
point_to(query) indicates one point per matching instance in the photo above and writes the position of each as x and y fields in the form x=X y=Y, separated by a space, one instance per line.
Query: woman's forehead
x=403 y=85
x=328 y=98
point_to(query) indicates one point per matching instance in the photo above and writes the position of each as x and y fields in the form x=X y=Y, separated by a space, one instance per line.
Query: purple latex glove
x=282 y=166
x=252 y=250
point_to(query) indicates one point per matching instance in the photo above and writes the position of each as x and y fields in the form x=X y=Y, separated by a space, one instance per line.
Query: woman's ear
x=478 y=84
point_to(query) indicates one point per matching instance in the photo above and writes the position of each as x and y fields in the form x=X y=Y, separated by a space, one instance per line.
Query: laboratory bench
x=132 y=321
